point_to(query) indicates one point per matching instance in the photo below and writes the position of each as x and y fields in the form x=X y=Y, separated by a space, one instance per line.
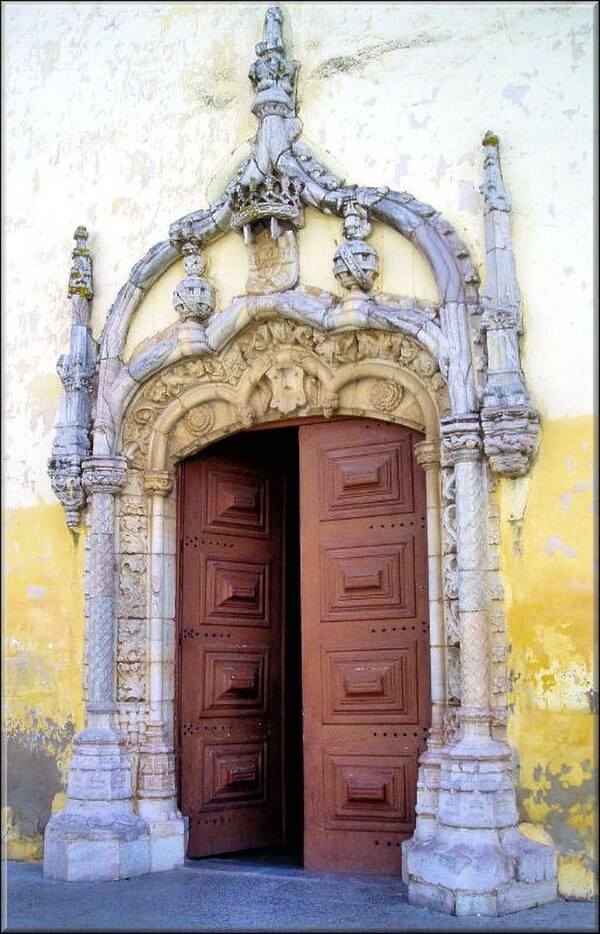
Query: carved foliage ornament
x=255 y=343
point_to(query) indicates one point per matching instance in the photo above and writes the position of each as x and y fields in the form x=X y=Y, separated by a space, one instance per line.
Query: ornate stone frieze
x=72 y=441
x=276 y=382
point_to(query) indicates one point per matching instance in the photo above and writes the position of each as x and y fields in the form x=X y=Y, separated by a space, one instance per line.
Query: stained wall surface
x=126 y=116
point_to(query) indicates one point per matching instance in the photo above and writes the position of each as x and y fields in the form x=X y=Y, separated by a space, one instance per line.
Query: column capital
x=158 y=482
x=428 y=454
x=104 y=474
x=462 y=438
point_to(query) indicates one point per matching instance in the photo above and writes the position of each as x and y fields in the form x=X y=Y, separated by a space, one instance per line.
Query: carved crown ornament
x=472 y=339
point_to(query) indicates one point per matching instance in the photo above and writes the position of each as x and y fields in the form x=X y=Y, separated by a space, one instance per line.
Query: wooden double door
x=303 y=677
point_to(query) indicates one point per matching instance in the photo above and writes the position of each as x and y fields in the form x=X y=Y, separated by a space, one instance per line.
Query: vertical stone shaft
x=427 y=454
x=158 y=484
x=463 y=445
x=471 y=544
x=103 y=477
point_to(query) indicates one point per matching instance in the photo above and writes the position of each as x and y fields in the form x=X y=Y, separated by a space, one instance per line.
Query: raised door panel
x=231 y=601
x=365 y=619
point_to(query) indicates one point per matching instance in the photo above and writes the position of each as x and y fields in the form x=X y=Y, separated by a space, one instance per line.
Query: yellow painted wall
x=549 y=574
x=42 y=668
x=125 y=117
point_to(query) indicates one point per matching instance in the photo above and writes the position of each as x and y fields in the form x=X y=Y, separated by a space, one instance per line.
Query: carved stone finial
x=272 y=74
x=77 y=370
x=355 y=263
x=194 y=297
x=80 y=279
x=493 y=189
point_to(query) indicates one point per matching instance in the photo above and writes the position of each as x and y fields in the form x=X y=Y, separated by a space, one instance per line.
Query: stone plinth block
x=84 y=844
x=479 y=872
x=167 y=844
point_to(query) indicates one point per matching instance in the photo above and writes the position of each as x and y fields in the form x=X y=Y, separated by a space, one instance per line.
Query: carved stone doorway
x=356 y=498
x=449 y=370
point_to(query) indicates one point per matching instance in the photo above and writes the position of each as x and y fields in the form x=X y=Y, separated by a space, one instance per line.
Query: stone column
x=157 y=792
x=477 y=861
x=98 y=836
x=427 y=454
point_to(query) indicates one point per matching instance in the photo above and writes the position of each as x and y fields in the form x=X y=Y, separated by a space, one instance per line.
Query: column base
x=98 y=837
x=96 y=844
x=168 y=843
x=466 y=876
x=477 y=862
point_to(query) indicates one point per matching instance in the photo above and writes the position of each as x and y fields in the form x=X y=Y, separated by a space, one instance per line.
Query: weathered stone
x=284 y=350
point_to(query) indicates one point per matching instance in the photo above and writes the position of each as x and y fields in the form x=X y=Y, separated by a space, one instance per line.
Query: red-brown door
x=365 y=658
x=231 y=633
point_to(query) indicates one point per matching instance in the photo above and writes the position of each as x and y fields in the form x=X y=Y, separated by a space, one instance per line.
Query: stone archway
x=451 y=371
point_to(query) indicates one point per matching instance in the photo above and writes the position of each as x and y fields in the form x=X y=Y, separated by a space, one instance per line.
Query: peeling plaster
x=554 y=544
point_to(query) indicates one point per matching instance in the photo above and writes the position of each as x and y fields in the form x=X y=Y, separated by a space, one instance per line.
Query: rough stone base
x=88 y=847
x=167 y=844
x=515 y=897
x=479 y=872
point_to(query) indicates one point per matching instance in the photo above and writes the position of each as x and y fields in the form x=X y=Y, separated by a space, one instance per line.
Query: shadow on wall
x=33 y=779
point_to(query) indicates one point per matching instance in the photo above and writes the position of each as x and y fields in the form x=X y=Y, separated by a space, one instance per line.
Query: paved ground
x=234 y=895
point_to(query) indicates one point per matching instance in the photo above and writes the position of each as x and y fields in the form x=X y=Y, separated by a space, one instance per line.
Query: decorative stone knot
x=194 y=297
x=80 y=278
x=355 y=263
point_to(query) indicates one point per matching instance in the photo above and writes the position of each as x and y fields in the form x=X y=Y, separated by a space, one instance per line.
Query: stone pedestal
x=97 y=837
x=477 y=862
